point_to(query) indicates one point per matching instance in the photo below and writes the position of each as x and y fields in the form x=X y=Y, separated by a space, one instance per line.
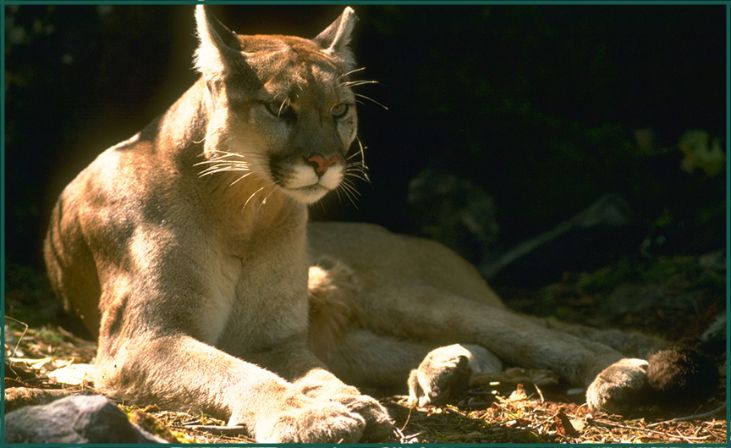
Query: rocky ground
x=674 y=297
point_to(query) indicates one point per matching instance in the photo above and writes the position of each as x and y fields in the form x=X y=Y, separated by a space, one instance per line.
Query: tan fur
x=185 y=250
x=333 y=307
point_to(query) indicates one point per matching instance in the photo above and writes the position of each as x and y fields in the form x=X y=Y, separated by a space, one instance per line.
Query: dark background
x=532 y=111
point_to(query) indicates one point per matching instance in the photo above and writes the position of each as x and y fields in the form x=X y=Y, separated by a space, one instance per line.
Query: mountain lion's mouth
x=313 y=188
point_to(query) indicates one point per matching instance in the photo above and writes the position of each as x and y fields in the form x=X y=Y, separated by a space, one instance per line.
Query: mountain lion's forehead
x=286 y=64
x=283 y=49
x=301 y=80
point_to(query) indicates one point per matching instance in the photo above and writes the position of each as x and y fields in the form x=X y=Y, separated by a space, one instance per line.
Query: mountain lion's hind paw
x=443 y=374
x=619 y=387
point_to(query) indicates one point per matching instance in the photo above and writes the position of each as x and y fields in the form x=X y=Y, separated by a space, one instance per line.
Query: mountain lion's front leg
x=157 y=344
x=179 y=371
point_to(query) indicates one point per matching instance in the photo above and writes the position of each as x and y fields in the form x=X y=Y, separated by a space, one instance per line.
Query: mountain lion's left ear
x=335 y=38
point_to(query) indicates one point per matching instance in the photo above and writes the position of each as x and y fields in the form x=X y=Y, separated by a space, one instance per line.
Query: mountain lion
x=186 y=251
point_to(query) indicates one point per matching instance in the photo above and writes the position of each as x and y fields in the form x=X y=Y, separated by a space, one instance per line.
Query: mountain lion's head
x=280 y=107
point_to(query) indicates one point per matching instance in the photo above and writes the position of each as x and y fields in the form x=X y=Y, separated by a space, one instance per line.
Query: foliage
x=535 y=106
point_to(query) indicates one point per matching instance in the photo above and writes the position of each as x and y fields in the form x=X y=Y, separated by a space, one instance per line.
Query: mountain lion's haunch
x=186 y=250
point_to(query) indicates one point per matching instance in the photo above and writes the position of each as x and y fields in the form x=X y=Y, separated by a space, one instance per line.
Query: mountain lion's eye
x=279 y=109
x=339 y=110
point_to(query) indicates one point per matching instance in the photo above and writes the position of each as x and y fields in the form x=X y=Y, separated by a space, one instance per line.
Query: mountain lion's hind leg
x=516 y=340
x=629 y=343
x=443 y=317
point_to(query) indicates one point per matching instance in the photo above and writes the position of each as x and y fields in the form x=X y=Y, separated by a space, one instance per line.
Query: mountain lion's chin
x=307 y=195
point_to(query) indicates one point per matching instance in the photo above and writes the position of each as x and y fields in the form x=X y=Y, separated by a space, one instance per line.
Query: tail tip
x=682 y=376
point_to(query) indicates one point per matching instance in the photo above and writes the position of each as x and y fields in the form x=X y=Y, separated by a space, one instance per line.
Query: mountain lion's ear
x=335 y=38
x=219 y=48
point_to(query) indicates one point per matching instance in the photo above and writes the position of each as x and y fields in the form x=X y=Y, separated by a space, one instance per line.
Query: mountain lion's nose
x=319 y=163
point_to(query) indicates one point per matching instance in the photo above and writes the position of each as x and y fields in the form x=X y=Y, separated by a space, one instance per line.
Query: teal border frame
x=727 y=4
x=728 y=221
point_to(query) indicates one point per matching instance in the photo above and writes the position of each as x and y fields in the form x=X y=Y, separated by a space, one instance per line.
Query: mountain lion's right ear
x=219 y=48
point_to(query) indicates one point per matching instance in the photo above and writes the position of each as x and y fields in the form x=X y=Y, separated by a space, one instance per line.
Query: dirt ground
x=41 y=354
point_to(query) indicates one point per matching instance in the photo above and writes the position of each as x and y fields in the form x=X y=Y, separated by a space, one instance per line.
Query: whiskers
x=252 y=197
x=224 y=161
x=355 y=166
x=355 y=170
x=367 y=98
x=360 y=82
x=349 y=190
x=232 y=162
x=355 y=70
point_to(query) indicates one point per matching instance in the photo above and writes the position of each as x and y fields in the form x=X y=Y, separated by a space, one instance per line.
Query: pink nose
x=320 y=164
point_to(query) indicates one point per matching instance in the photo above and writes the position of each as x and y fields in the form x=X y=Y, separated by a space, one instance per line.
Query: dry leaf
x=73 y=375
x=564 y=427
x=518 y=394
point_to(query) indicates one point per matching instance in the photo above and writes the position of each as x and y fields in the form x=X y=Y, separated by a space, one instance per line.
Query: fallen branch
x=690 y=417
x=18 y=397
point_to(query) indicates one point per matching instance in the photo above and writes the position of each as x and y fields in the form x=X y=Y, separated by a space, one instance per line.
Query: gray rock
x=74 y=419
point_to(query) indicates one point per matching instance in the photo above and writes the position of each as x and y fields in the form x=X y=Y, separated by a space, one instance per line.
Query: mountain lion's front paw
x=619 y=387
x=444 y=373
x=379 y=426
x=316 y=421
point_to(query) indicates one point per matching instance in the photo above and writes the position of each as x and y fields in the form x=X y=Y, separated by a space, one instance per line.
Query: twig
x=606 y=423
x=540 y=423
x=540 y=394
x=25 y=330
x=677 y=431
x=403 y=438
x=690 y=417
x=408 y=418
x=220 y=430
